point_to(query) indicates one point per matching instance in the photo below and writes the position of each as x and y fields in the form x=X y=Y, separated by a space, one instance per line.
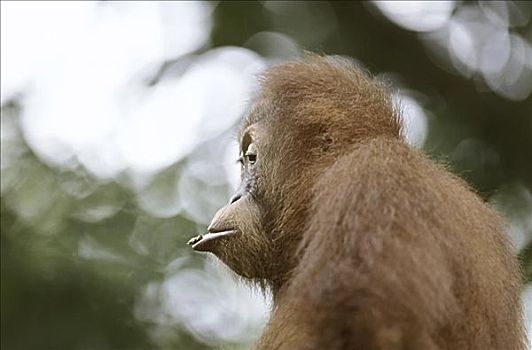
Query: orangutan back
x=399 y=254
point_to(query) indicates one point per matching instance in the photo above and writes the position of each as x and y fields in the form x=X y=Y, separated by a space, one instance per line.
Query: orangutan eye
x=251 y=154
x=251 y=158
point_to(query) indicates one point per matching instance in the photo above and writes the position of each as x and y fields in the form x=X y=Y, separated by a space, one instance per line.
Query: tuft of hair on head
x=332 y=92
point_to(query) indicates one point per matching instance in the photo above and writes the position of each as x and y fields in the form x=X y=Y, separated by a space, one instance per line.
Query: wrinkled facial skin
x=236 y=234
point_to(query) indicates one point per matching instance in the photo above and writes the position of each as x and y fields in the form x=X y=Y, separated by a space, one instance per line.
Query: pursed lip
x=204 y=242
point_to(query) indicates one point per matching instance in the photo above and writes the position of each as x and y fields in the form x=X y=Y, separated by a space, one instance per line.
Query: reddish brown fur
x=365 y=243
